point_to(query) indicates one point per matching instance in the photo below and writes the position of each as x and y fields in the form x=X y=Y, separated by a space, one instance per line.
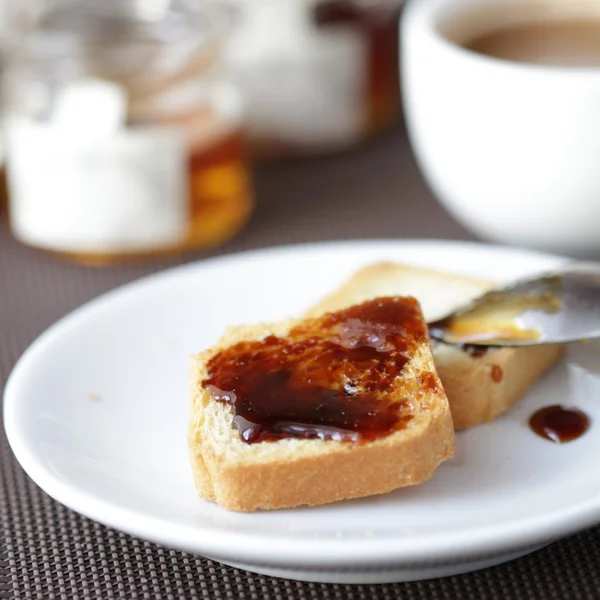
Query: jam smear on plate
x=559 y=424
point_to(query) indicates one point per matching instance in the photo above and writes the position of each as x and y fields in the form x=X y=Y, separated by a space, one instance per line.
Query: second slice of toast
x=317 y=410
x=480 y=384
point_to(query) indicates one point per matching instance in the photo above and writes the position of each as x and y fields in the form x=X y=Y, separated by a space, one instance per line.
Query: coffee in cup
x=563 y=42
x=502 y=105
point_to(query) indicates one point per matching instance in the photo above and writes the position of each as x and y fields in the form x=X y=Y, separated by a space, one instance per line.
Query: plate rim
x=325 y=553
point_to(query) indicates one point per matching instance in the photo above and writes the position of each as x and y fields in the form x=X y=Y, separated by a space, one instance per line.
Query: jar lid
x=120 y=37
x=147 y=47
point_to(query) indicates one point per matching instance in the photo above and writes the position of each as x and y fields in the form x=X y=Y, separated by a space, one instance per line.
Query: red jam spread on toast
x=559 y=424
x=336 y=377
x=496 y=373
x=474 y=351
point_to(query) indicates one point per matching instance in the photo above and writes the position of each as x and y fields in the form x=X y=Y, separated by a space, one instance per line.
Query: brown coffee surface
x=573 y=42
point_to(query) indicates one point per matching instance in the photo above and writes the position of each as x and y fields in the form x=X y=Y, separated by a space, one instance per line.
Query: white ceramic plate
x=96 y=413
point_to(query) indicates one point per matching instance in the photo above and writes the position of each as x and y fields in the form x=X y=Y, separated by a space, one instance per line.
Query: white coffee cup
x=511 y=149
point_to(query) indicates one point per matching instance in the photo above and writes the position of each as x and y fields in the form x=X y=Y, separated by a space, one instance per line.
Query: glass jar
x=318 y=75
x=124 y=136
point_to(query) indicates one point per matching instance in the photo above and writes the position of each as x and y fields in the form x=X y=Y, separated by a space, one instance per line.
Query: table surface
x=48 y=551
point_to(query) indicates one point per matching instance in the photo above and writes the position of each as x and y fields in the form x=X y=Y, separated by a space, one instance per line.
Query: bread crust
x=479 y=388
x=293 y=472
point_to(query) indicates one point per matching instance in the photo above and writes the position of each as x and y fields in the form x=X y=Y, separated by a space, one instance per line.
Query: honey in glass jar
x=124 y=135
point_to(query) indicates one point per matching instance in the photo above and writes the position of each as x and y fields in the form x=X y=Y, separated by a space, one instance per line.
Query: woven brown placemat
x=50 y=552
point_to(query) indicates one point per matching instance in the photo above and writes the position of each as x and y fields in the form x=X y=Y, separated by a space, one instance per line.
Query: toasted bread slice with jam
x=311 y=411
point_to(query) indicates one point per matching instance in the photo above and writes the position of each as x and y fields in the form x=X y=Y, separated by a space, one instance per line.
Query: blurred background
x=136 y=129
x=142 y=128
